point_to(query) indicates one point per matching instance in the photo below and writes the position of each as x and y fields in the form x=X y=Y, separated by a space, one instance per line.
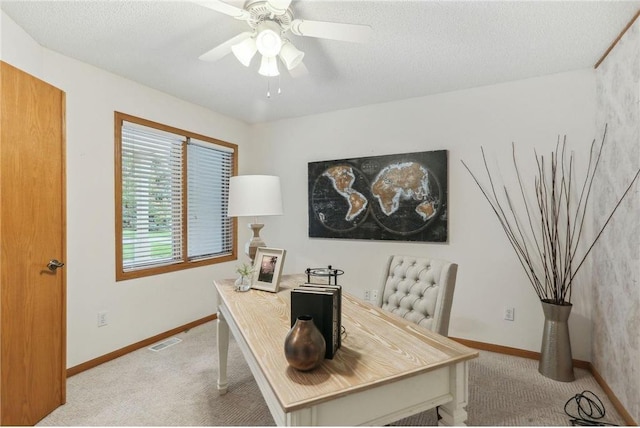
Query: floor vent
x=164 y=345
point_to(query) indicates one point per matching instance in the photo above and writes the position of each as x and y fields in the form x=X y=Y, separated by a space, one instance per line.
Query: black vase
x=304 y=346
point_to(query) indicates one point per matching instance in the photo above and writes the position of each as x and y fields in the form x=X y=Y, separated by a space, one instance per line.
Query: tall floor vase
x=556 y=361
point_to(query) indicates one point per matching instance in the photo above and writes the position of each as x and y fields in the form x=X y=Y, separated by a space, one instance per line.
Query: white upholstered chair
x=420 y=290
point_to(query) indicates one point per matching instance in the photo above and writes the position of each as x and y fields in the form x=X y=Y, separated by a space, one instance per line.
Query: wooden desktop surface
x=378 y=348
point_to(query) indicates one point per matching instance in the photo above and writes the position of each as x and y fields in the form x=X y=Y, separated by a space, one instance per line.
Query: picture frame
x=267 y=268
x=395 y=197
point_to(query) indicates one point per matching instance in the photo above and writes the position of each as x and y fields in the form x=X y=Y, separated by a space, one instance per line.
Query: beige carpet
x=176 y=386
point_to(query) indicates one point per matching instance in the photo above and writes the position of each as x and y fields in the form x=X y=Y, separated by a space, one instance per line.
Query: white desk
x=385 y=370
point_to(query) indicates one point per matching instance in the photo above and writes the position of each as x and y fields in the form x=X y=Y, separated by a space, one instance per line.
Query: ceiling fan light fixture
x=290 y=55
x=269 y=66
x=268 y=40
x=278 y=7
x=245 y=50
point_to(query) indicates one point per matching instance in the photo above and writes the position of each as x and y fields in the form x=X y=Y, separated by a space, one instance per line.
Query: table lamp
x=254 y=196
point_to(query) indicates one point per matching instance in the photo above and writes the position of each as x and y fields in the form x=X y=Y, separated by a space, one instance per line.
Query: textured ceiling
x=418 y=48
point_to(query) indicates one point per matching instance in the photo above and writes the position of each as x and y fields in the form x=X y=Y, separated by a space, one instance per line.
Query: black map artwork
x=394 y=197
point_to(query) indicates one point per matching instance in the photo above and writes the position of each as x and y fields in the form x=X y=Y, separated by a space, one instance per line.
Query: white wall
x=141 y=308
x=18 y=48
x=531 y=113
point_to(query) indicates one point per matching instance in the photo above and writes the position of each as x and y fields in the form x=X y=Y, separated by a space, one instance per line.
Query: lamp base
x=252 y=246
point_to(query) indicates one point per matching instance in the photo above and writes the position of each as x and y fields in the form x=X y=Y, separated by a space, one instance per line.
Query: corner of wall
x=18 y=48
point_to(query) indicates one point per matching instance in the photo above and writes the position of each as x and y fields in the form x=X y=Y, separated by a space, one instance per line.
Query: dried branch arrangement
x=546 y=237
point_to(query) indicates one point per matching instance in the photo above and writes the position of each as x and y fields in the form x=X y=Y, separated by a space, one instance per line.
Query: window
x=172 y=189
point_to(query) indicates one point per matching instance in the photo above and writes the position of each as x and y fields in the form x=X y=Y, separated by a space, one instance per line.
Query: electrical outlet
x=102 y=318
x=509 y=314
x=374 y=295
x=367 y=295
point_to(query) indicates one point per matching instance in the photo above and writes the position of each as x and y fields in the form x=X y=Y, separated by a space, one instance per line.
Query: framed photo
x=267 y=268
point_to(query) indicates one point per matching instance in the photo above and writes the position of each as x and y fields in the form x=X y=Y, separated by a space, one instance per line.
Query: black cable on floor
x=589 y=410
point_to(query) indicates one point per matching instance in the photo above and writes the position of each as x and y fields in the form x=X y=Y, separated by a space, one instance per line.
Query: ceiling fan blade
x=222 y=7
x=279 y=7
x=331 y=30
x=223 y=49
x=299 y=71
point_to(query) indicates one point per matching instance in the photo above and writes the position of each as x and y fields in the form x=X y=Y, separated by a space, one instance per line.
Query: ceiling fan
x=269 y=22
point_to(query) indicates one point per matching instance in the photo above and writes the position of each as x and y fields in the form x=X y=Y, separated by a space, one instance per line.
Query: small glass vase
x=243 y=283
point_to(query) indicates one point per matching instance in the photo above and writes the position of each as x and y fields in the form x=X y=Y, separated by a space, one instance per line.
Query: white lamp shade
x=254 y=196
x=245 y=50
x=268 y=39
x=269 y=66
x=291 y=56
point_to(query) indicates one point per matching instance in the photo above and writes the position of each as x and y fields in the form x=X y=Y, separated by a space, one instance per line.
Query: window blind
x=209 y=168
x=151 y=196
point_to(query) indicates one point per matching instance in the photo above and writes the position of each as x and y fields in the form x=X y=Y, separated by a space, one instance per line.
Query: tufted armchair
x=420 y=290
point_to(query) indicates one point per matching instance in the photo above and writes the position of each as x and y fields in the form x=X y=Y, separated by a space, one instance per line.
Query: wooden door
x=32 y=232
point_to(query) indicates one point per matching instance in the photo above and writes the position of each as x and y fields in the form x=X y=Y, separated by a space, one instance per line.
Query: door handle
x=54 y=264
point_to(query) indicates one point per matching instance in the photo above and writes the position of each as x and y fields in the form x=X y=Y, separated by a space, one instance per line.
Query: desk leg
x=223 y=351
x=454 y=412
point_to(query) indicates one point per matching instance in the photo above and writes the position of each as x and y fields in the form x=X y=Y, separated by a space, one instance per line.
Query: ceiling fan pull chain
x=268 y=89
x=279 y=90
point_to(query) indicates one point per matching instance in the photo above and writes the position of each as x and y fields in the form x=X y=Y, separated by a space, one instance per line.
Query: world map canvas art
x=392 y=197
